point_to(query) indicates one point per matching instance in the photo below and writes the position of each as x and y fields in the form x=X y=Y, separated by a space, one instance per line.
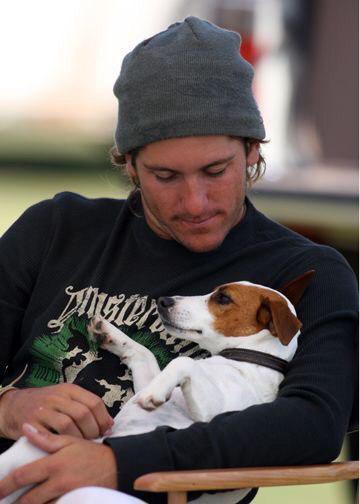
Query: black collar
x=255 y=357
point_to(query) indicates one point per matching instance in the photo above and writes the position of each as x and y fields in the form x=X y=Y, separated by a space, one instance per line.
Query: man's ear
x=281 y=322
x=131 y=171
x=295 y=289
x=252 y=156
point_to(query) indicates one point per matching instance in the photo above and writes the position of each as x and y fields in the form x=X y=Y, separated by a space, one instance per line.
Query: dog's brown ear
x=276 y=315
x=295 y=289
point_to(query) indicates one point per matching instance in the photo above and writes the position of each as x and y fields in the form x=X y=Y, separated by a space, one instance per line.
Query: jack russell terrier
x=251 y=332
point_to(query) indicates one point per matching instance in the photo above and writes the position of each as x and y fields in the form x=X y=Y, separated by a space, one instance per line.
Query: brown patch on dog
x=243 y=310
x=283 y=323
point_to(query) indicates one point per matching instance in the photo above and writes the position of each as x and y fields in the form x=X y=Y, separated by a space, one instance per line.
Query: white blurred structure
x=60 y=60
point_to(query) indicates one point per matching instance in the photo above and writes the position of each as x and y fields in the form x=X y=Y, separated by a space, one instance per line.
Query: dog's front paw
x=151 y=398
x=99 y=330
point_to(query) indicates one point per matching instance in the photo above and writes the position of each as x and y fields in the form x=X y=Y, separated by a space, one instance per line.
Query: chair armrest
x=226 y=479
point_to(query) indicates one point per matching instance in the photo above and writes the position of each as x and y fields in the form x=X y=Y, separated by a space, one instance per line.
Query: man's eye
x=223 y=299
x=165 y=177
x=216 y=172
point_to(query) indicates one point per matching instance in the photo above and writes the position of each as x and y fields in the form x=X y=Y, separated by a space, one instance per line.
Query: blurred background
x=59 y=61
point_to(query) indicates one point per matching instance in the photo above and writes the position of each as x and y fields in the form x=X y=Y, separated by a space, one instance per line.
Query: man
x=189 y=131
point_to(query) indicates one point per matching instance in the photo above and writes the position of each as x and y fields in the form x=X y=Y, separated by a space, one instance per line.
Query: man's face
x=193 y=188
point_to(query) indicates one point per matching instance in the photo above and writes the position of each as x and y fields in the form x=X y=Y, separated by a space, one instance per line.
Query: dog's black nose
x=165 y=302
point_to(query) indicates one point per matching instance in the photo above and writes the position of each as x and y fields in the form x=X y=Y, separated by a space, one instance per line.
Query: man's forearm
x=262 y=435
x=305 y=424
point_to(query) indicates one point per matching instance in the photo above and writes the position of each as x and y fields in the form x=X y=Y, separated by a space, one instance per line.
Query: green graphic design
x=155 y=345
x=72 y=356
x=49 y=352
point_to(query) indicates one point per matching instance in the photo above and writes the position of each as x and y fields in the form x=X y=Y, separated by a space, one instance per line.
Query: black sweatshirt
x=69 y=258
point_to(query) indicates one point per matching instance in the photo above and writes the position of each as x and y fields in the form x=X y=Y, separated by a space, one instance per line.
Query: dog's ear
x=281 y=322
x=295 y=289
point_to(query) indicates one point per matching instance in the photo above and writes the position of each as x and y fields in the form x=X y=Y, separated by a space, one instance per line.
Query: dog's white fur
x=186 y=390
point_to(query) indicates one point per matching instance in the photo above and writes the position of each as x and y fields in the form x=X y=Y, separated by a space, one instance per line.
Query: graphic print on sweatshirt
x=67 y=354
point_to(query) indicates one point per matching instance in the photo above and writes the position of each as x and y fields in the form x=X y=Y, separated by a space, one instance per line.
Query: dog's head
x=239 y=309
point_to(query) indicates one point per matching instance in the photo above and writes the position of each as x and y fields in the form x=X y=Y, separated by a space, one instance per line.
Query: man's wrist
x=4 y=390
x=5 y=393
x=140 y=454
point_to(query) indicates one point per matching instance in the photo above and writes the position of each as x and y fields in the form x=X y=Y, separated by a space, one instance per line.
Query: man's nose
x=194 y=198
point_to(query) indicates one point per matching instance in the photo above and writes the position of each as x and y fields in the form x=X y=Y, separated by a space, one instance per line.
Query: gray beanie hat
x=187 y=80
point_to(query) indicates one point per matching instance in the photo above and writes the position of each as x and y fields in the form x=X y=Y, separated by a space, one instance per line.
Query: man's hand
x=65 y=408
x=72 y=463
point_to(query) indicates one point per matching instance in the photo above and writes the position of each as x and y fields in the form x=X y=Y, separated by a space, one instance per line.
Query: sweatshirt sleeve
x=307 y=422
x=22 y=249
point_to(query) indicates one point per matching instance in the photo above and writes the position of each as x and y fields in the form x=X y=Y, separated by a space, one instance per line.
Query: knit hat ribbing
x=187 y=80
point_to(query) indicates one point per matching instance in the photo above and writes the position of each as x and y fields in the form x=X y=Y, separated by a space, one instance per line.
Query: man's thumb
x=44 y=440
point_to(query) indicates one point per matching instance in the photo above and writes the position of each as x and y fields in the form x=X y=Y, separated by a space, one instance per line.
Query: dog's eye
x=222 y=298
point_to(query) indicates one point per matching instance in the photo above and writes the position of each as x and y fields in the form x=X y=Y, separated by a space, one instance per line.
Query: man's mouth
x=199 y=221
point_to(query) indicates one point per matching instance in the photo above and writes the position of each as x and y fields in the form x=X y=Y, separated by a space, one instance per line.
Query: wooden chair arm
x=226 y=479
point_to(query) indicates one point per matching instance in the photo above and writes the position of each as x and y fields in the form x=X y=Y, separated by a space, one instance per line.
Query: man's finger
x=46 y=441
x=44 y=492
x=95 y=404
x=28 y=474
x=60 y=422
x=83 y=419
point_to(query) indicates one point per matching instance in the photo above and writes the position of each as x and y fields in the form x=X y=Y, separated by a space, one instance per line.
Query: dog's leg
x=177 y=372
x=204 y=395
x=138 y=358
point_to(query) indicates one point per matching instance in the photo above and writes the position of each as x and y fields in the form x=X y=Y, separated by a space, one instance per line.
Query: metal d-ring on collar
x=255 y=357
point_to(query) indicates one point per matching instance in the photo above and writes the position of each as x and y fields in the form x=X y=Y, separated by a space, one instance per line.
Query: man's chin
x=200 y=243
